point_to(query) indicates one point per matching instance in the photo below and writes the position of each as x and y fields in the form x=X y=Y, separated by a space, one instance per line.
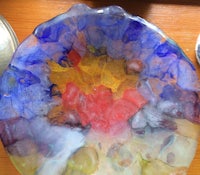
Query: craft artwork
x=99 y=92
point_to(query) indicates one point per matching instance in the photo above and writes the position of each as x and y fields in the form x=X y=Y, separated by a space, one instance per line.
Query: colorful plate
x=99 y=91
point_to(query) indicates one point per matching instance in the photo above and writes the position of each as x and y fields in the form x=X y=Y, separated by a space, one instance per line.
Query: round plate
x=99 y=91
x=8 y=43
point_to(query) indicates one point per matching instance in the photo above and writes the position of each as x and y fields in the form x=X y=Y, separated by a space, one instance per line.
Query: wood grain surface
x=179 y=19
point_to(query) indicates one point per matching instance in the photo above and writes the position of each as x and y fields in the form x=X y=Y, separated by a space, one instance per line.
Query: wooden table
x=179 y=19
